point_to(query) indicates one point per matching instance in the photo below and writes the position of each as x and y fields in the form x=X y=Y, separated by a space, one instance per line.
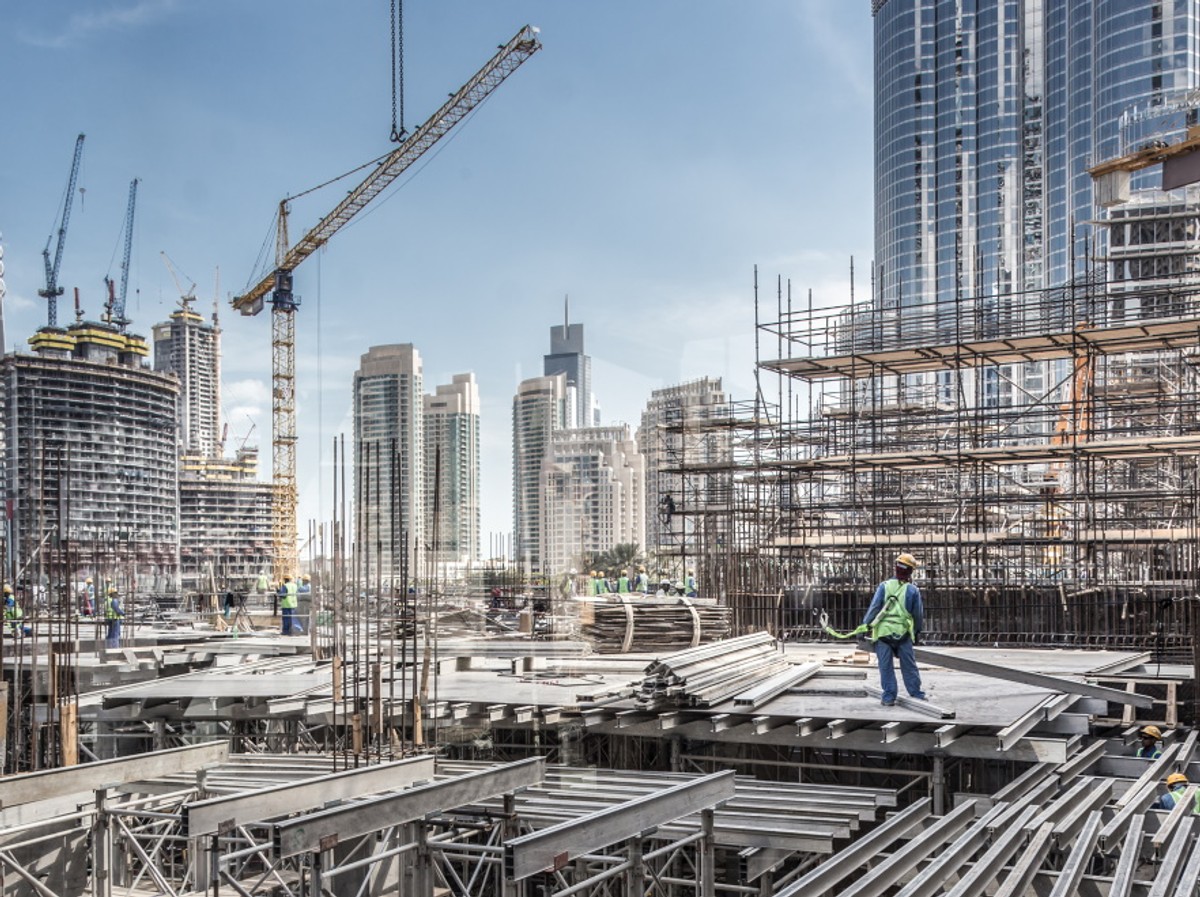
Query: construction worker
x=623 y=583
x=287 y=603
x=113 y=615
x=690 y=589
x=304 y=604
x=87 y=598
x=1150 y=748
x=895 y=619
x=12 y=611
x=1176 y=784
x=599 y=586
x=641 y=582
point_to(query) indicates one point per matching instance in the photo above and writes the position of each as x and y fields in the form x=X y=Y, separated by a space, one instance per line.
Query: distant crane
x=284 y=302
x=186 y=297
x=114 y=312
x=52 y=290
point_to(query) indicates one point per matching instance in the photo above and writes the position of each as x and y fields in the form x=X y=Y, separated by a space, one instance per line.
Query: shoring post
x=102 y=847
x=938 y=783
x=422 y=868
x=635 y=875
x=510 y=829
x=314 y=876
x=708 y=877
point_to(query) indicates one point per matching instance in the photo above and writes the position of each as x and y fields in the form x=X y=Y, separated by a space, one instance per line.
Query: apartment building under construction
x=89 y=460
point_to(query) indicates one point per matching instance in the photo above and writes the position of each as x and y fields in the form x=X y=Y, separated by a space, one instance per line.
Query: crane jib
x=460 y=104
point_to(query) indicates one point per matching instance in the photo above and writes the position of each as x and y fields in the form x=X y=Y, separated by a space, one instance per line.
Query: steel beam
x=1041 y=680
x=553 y=847
x=908 y=857
x=776 y=685
x=1081 y=762
x=925 y=708
x=220 y=814
x=1168 y=870
x=1028 y=863
x=1131 y=849
x=323 y=829
x=1079 y=858
x=848 y=859
x=51 y=783
x=930 y=880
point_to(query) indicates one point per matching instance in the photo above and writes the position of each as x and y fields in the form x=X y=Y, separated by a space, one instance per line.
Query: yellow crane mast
x=279 y=283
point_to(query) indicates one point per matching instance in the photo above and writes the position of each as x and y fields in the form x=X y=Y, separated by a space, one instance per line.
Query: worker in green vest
x=113 y=614
x=895 y=620
x=623 y=583
x=288 y=592
x=12 y=611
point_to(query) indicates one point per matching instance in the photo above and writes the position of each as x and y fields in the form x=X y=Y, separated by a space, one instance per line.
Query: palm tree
x=622 y=556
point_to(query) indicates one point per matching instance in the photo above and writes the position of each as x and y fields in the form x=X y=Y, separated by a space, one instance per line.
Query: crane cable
x=398 y=130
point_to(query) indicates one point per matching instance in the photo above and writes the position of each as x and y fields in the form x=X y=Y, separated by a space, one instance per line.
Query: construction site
x=503 y=733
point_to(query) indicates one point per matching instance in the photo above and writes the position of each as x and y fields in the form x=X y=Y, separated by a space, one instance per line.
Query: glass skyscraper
x=988 y=114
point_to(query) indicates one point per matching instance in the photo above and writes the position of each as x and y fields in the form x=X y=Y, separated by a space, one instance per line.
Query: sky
x=643 y=163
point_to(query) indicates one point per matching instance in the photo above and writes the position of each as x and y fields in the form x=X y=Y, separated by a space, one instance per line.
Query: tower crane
x=186 y=297
x=115 y=307
x=52 y=290
x=279 y=283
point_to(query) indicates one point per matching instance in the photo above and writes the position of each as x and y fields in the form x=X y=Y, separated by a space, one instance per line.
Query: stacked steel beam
x=704 y=676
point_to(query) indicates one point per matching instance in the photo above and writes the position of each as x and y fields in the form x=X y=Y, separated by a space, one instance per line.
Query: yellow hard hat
x=1176 y=778
x=907 y=560
x=1151 y=732
x=88 y=580
x=112 y=590
x=305 y=577
x=7 y=589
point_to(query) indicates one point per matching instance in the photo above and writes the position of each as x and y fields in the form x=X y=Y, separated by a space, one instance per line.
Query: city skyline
x=601 y=170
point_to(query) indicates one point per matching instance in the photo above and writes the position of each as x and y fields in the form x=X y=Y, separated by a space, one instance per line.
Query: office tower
x=987 y=116
x=452 y=438
x=90 y=462
x=539 y=408
x=389 y=462
x=567 y=357
x=190 y=348
x=593 y=488
x=677 y=433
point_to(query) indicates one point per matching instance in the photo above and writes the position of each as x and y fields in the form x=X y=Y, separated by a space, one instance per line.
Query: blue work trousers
x=112 y=638
x=885 y=651
x=291 y=622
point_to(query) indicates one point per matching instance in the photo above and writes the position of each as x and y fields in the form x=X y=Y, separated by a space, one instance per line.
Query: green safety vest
x=110 y=608
x=288 y=600
x=623 y=584
x=894 y=619
x=13 y=613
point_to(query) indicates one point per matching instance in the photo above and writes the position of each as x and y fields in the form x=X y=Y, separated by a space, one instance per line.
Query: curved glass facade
x=987 y=116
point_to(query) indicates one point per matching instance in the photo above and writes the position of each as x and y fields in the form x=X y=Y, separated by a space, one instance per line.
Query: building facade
x=452 y=470
x=988 y=114
x=593 y=496
x=90 y=463
x=679 y=431
x=540 y=408
x=190 y=348
x=389 y=462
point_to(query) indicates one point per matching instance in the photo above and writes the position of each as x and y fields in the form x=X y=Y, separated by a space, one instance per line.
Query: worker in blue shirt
x=1176 y=785
x=895 y=620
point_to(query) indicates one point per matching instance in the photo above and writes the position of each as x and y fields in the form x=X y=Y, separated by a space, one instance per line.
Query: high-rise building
x=389 y=461
x=90 y=462
x=678 y=431
x=190 y=348
x=224 y=511
x=987 y=117
x=539 y=409
x=593 y=496
x=567 y=357
x=452 y=456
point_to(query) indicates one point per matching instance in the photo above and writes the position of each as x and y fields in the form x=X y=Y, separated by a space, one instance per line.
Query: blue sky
x=643 y=162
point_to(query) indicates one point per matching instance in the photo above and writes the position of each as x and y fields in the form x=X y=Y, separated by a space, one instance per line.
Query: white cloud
x=82 y=25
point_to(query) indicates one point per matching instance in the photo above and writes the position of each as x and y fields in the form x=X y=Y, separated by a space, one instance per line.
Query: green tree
x=620 y=557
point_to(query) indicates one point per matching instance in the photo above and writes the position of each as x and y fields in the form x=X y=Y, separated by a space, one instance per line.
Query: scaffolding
x=1037 y=451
